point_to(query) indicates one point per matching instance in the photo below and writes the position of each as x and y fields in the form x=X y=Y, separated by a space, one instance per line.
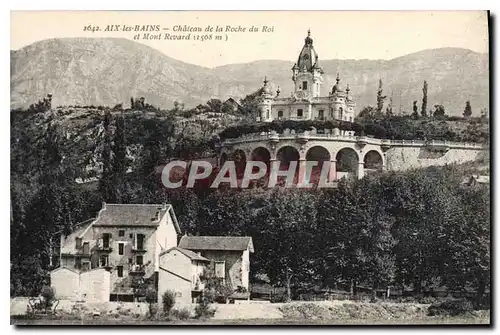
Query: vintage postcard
x=250 y=168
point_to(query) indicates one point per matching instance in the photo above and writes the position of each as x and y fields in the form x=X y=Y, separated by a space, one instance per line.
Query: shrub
x=241 y=289
x=49 y=296
x=224 y=292
x=452 y=307
x=181 y=314
x=204 y=307
x=168 y=301
x=151 y=297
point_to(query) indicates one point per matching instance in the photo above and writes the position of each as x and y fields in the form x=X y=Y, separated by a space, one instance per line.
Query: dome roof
x=266 y=89
x=337 y=87
x=308 y=58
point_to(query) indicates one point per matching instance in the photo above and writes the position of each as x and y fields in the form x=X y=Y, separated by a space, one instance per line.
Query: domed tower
x=339 y=109
x=306 y=73
x=265 y=102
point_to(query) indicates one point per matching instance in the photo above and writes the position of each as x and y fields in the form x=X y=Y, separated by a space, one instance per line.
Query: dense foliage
x=396 y=128
x=419 y=228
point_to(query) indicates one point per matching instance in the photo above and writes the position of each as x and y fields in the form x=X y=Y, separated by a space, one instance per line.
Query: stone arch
x=373 y=161
x=261 y=154
x=285 y=155
x=347 y=162
x=240 y=160
x=318 y=154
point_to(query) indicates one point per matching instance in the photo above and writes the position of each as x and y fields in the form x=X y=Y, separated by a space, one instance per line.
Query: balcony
x=104 y=245
x=138 y=249
x=137 y=269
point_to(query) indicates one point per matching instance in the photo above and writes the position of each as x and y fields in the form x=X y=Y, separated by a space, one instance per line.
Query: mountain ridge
x=108 y=71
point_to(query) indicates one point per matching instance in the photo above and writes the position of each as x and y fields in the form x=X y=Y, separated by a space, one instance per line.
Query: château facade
x=305 y=102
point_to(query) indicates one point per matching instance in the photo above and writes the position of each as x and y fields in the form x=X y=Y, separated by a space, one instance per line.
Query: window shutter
x=220 y=269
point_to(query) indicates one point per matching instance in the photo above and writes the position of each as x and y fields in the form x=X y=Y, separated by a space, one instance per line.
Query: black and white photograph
x=281 y=168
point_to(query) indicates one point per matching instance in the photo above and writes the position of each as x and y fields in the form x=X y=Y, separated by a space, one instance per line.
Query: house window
x=131 y=235
x=130 y=260
x=120 y=271
x=321 y=114
x=268 y=114
x=304 y=85
x=121 y=233
x=103 y=260
x=139 y=242
x=139 y=260
x=120 y=248
x=341 y=112
x=220 y=269
x=86 y=248
x=280 y=113
x=299 y=112
x=105 y=240
x=78 y=242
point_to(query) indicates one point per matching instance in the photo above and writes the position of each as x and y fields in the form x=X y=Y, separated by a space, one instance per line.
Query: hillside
x=107 y=71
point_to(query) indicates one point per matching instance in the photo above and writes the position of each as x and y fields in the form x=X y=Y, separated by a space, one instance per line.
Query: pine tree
x=120 y=160
x=424 y=100
x=106 y=189
x=467 y=110
x=380 y=98
x=415 y=110
x=388 y=110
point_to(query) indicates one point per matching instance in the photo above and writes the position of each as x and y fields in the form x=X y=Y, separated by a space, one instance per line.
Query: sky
x=336 y=34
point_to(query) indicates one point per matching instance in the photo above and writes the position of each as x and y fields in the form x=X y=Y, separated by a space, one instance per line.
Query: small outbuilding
x=231 y=255
x=181 y=271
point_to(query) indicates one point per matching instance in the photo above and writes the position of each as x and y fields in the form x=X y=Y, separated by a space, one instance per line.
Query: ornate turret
x=266 y=90
x=307 y=74
x=337 y=88
x=308 y=58
x=265 y=102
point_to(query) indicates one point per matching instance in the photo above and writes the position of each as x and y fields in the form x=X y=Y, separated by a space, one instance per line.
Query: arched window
x=268 y=114
x=341 y=113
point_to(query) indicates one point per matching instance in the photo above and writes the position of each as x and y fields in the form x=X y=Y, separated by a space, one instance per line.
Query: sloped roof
x=231 y=243
x=188 y=253
x=68 y=241
x=133 y=215
x=65 y=268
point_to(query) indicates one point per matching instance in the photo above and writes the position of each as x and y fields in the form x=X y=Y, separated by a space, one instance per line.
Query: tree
x=484 y=113
x=286 y=248
x=467 y=110
x=424 y=100
x=120 y=163
x=105 y=185
x=415 y=110
x=42 y=105
x=388 y=110
x=439 y=111
x=368 y=112
x=380 y=99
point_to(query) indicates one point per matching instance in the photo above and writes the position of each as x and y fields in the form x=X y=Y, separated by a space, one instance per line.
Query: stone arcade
x=348 y=155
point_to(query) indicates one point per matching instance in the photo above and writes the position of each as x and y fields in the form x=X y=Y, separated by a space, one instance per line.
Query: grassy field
x=459 y=320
